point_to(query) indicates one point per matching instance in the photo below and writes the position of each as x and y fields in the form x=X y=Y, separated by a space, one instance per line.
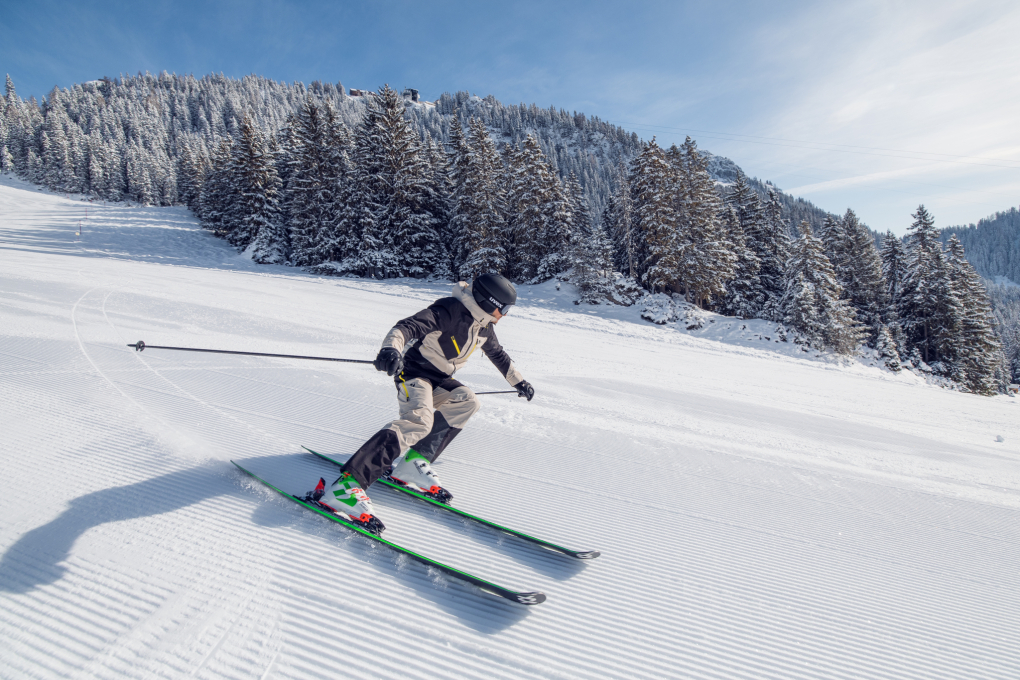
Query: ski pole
x=141 y=346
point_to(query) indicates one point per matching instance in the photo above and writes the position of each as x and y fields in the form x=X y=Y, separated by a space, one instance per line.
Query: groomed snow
x=760 y=514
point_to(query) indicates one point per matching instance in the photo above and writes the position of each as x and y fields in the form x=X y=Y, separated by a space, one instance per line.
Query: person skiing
x=422 y=352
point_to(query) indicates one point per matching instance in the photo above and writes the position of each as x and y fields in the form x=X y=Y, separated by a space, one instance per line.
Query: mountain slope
x=759 y=515
x=993 y=244
x=142 y=137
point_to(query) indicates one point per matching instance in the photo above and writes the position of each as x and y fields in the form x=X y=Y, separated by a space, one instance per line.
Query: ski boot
x=347 y=499
x=413 y=471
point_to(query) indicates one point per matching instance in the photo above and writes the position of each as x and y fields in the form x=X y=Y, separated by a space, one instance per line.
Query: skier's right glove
x=389 y=360
x=524 y=389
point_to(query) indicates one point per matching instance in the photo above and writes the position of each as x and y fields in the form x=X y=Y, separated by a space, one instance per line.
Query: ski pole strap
x=141 y=346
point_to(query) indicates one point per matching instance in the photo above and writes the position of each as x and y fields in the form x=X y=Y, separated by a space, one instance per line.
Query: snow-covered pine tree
x=929 y=310
x=191 y=172
x=56 y=153
x=592 y=268
x=458 y=155
x=4 y=132
x=578 y=206
x=313 y=183
x=947 y=323
x=399 y=234
x=858 y=267
x=140 y=186
x=556 y=238
x=440 y=205
x=376 y=154
x=253 y=168
x=619 y=222
x=742 y=198
x=342 y=237
x=744 y=296
x=831 y=234
x=522 y=211
x=539 y=214
x=417 y=243
x=6 y=160
x=114 y=177
x=887 y=351
x=768 y=236
x=979 y=349
x=894 y=265
x=655 y=215
x=528 y=182
x=747 y=280
x=706 y=258
x=802 y=310
x=479 y=213
x=591 y=251
x=339 y=235
x=812 y=300
x=10 y=94
x=218 y=196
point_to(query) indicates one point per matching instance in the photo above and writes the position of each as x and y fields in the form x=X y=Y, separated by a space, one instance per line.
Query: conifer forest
x=381 y=184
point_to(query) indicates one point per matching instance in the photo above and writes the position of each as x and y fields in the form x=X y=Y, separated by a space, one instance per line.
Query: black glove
x=524 y=389
x=389 y=360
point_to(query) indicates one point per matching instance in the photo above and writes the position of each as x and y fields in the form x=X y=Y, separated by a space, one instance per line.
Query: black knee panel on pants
x=438 y=439
x=429 y=444
x=450 y=434
x=374 y=457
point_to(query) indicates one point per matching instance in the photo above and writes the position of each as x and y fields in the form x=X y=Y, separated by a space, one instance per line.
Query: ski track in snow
x=759 y=515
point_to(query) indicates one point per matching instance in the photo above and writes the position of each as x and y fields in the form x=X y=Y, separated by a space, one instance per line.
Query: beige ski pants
x=419 y=402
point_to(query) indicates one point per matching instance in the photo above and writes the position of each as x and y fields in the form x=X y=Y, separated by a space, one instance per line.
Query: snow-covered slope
x=760 y=515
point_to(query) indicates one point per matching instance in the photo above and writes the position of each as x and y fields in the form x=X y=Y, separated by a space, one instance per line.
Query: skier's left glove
x=524 y=389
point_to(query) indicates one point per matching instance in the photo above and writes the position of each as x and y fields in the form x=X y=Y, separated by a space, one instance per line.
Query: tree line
x=914 y=301
x=379 y=201
x=311 y=178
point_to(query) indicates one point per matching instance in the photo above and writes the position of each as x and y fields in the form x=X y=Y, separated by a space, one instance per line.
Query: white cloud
x=938 y=78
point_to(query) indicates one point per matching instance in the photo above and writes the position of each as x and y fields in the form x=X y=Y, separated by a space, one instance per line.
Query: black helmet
x=493 y=292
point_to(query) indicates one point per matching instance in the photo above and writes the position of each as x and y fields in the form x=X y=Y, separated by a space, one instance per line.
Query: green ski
x=578 y=554
x=512 y=595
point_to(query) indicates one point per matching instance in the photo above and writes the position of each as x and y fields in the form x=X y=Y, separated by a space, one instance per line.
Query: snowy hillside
x=760 y=515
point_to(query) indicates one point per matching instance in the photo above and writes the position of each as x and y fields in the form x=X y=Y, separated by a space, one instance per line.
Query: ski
x=512 y=595
x=577 y=554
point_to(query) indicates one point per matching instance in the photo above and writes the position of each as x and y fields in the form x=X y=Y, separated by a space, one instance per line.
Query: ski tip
x=587 y=554
x=529 y=598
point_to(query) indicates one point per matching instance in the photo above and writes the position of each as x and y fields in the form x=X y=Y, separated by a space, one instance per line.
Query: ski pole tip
x=139 y=346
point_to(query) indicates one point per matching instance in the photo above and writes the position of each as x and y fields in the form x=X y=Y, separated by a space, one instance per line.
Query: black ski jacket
x=439 y=339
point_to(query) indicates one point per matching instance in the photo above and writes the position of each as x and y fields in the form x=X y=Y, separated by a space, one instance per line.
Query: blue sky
x=878 y=106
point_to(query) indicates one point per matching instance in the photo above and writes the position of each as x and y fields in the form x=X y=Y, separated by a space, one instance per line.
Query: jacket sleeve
x=500 y=359
x=414 y=328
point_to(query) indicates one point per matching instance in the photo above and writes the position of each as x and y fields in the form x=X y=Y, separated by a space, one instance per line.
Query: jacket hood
x=462 y=291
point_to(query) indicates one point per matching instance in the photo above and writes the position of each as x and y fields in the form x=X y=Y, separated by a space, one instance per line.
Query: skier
x=423 y=352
